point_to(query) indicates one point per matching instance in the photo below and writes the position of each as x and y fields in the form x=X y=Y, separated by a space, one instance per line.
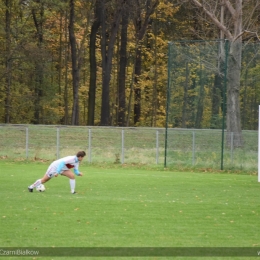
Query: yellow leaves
x=164 y=11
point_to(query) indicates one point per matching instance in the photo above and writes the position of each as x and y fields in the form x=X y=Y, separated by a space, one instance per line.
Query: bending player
x=62 y=166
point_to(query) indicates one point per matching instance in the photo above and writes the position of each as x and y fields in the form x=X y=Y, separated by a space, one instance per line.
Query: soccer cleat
x=74 y=192
x=30 y=189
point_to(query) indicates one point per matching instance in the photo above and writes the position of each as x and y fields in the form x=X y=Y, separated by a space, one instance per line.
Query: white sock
x=72 y=185
x=38 y=182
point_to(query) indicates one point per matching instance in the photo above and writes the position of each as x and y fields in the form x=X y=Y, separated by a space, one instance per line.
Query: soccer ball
x=40 y=188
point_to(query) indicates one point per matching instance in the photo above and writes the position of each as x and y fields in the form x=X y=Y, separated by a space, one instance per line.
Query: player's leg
x=71 y=176
x=38 y=182
x=47 y=176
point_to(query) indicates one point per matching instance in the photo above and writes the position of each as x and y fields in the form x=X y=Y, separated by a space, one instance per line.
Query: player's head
x=81 y=155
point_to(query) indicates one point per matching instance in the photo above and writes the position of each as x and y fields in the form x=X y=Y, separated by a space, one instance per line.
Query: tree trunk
x=233 y=76
x=75 y=69
x=105 y=109
x=155 y=92
x=233 y=98
x=217 y=89
x=93 y=64
x=66 y=108
x=185 y=97
x=200 y=102
x=60 y=56
x=38 y=90
x=107 y=55
x=7 y=61
x=137 y=89
x=122 y=69
x=216 y=101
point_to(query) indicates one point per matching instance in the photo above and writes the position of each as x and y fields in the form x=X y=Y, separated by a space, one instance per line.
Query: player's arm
x=76 y=171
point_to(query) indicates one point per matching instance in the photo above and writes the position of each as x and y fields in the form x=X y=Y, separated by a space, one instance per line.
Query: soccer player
x=62 y=166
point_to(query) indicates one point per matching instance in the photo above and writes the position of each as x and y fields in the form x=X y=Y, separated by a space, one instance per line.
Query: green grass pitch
x=127 y=207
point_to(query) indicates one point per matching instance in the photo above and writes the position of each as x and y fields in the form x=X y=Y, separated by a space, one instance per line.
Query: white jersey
x=64 y=164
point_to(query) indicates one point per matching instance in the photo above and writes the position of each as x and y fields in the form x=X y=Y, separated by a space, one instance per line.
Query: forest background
x=104 y=62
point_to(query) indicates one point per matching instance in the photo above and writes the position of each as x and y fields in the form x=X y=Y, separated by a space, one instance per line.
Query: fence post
x=157 y=146
x=89 y=145
x=123 y=147
x=231 y=147
x=258 y=170
x=26 y=141
x=193 y=148
x=58 y=143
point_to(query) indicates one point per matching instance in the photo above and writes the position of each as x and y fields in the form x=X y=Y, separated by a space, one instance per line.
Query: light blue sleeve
x=76 y=171
x=76 y=168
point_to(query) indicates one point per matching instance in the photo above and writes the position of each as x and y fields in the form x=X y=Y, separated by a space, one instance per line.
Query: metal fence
x=186 y=147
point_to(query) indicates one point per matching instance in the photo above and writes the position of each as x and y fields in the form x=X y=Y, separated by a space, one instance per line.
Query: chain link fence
x=187 y=148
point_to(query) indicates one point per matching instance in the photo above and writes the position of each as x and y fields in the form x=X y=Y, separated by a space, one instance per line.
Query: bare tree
x=233 y=28
x=75 y=67
x=107 y=48
x=93 y=63
x=38 y=18
x=122 y=68
x=7 y=60
x=77 y=60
